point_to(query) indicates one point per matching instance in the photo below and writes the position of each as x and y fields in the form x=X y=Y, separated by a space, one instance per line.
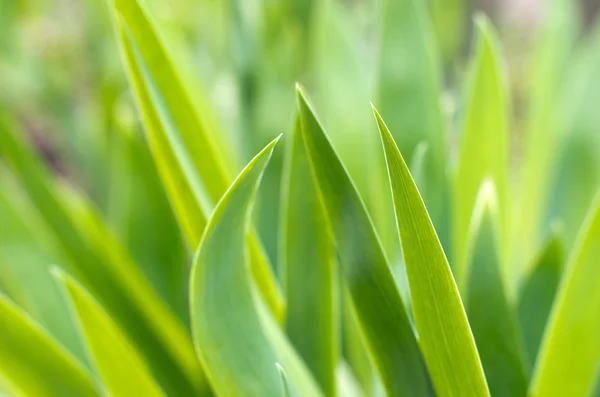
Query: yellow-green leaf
x=484 y=146
x=440 y=319
x=375 y=296
x=120 y=366
x=568 y=358
x=492 y=318
x=236 y=338
x=32 y=363
x=307 y=268
x=191 y=167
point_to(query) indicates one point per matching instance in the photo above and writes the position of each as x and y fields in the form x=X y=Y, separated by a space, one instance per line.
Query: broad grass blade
x=235 y=337
x=380 y=311
x=308 y=268
x=440 y=319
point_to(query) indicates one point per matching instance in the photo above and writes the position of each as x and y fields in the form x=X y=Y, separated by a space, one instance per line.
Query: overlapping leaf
x=118 y=363
x=194 y=171
x=375 y=296
x=236 y=338
x=570 y=349
x=440 y=319
x=307 y=260
x=491 y=316
x=484 y=146
x=33 y=364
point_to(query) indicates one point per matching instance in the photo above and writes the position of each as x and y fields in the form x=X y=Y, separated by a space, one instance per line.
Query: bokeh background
x=62 y=80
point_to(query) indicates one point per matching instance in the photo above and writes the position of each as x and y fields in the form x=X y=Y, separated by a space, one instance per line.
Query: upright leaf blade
x=440 y=319
x=93 y=254
x=183 y=145
x=33 y=363
x=307 y=260
x=492 y=318
x=484 y=146
x=570 y=349
x=120 y=366
x=235 y=337
x=537 y=295
x=375 y=296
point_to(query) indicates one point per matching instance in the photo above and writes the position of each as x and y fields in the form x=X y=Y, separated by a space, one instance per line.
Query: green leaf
x=537 y=295
x=375 y=296
x=570 y=349
x=284 y=381
x=409 y=90
x=118 y=363
x=440 y=319
x=191 y=167
x=94 y=256
x=484 y=147
x=307 y=268
x=236 y=338
x=492 y=319
x=32 y=363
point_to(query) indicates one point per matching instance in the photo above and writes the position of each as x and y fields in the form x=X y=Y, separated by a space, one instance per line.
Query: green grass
x=441 y=242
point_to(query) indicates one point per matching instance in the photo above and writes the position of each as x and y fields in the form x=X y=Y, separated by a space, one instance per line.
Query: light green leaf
x=484 y=147
x=236 y=338
x=32 y=363
x=537 y=295
x=120 y=366
x=409 y=92
x=191 y=167
x=375 y=296
x=284 y=381
x=567 y=363
x=91 y=252
x=492 y=318
x=308 y=263
x=440 y=319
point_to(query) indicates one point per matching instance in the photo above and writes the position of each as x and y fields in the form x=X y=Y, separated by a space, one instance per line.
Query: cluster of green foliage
x=417 y=260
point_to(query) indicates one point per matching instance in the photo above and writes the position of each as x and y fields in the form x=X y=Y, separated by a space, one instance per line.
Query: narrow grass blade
x=492 y=318
x=236 y=339
x=187 y=158
x=409 y=89
x=93 y=254
x=484 y=146
x=440 y=319
x=375 y=296
x=284 y=381
x=537 y=295
x=570 y=349
x=33 y=363
x=307 y=265
x=120 y=366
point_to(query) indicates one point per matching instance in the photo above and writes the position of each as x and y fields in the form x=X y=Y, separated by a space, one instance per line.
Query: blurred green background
x=61 y=79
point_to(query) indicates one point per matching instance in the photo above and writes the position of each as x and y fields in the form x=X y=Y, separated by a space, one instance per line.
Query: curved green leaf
x=237 y=340
x=32 y=363
x=307 y=268
x=118 y=363
x=92 y=253
x=537 y=295
x=182 y=143
x=440 y=319
x=492 y=319
x=375 y=296
x=484 y=147
x=567 y=363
